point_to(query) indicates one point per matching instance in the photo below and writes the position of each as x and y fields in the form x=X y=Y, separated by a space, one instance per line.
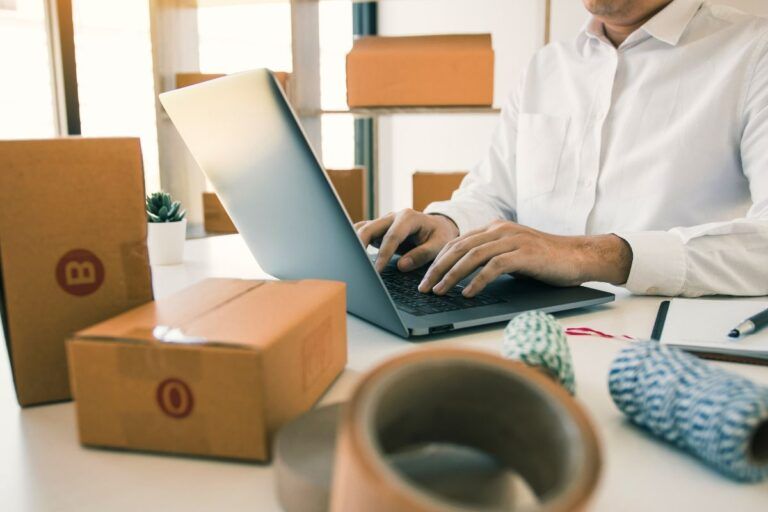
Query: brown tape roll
x=476 y=408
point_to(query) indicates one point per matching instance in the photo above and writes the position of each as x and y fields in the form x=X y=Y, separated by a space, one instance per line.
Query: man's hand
x=507 y=247
x=429 y=234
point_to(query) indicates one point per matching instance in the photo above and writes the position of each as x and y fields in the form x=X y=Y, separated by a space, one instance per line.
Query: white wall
x=451 y=141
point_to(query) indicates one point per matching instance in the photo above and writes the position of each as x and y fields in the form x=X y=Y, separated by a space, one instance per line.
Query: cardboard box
x=429 y=187
x=187 y=79
x=214 y=370
x=73 y=249
x=215 y=217
x=446 y=70
x=351 y=185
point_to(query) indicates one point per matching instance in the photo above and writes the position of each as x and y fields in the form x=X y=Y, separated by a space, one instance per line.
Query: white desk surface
x=43 y=468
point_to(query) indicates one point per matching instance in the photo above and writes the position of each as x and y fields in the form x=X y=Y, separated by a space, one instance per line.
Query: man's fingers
x=468 y=263
x=373 y=229
x=501 y=264
x=419 y=256
x=450 y=255
x=401 y=228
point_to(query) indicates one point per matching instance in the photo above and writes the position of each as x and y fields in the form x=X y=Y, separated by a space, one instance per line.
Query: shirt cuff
x=453 y=212
x=658 y=263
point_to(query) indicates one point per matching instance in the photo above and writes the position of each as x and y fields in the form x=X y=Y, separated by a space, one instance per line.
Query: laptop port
x=441 y=328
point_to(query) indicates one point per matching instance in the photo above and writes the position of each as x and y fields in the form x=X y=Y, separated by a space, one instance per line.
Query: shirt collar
x=668 y=25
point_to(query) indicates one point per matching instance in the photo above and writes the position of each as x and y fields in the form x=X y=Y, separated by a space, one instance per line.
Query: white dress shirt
x=663 y=141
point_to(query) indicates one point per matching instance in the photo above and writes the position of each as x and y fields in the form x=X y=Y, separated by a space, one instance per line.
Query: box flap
x=233 y=312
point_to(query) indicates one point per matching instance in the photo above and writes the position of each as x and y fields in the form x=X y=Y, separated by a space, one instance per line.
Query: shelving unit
x=173 y=20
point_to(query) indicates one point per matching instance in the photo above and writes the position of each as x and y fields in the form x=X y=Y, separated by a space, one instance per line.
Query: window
x=26 y=89
x=115 y=80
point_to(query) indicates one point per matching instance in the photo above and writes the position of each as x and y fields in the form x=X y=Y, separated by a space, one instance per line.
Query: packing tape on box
x=442 y=429
x=719 y=417
x=538 y=340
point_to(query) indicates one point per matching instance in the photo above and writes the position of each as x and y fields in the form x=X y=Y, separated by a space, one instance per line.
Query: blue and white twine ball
x=537 y=339
x=711 y=413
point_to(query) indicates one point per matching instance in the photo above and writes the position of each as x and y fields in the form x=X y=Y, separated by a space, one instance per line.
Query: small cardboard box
x=444 y=70
x=429 y=187
x=214 y=370
x=215 y=217
x=73 y=249
x=350 y=184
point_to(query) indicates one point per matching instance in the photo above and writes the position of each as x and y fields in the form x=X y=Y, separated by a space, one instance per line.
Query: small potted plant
x=167 y=229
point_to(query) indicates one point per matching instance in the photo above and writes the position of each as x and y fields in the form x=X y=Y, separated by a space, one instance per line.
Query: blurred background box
x=441 y=70
x=213 y=370
x=73 y=249
x=352 y=188
x=430 y=186
x=215 y=217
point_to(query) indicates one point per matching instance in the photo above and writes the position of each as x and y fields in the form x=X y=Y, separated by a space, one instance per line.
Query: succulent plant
x=161 y=207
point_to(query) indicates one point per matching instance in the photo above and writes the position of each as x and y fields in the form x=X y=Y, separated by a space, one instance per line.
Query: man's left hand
x=506 y=247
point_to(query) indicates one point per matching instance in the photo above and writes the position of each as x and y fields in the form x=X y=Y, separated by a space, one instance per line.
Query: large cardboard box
x=214 y=370
x=215 y=217
x=73 y=249
x=351 y=185
x=429 y=187
x=443 y=70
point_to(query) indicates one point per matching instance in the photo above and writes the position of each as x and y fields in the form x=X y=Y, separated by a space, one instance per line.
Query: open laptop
x=249 y=143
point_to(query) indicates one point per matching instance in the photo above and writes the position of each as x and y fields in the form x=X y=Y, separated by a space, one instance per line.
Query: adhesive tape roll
x=461 y=401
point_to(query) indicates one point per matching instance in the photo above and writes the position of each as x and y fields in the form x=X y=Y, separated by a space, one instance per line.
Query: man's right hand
x=429 y=234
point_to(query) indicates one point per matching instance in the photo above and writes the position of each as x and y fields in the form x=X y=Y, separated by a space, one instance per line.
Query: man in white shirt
x=635 y=155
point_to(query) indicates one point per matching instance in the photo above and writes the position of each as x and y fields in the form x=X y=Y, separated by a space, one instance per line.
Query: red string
x=588 y=331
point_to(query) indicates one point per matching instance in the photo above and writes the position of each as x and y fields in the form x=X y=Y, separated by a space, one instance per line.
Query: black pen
x=750 y=325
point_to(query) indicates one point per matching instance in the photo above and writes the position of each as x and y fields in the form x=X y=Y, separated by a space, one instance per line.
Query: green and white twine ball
x=537 y=339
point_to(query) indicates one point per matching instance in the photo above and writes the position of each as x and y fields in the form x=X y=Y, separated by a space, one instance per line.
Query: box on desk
x=214 y=370
x=429 y=187
x=73 y=249
x=443 y=70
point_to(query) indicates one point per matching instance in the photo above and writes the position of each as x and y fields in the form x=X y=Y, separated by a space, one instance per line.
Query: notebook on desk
x=702 y=325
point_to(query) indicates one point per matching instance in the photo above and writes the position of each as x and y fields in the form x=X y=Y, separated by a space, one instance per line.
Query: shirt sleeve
x=488 y=192
x=728 y=258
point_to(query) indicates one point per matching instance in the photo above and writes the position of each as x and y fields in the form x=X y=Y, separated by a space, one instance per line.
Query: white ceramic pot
x=165 y=241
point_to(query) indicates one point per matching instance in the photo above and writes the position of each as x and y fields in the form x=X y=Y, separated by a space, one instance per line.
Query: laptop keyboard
x=403 y=287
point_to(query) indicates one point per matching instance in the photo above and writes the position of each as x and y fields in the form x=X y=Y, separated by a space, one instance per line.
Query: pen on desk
x=750 y=325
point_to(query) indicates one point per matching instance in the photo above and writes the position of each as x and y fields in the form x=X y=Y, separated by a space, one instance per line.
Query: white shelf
x=388 y=111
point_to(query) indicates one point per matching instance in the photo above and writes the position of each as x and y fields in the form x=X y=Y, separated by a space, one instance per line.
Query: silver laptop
x=249 y=143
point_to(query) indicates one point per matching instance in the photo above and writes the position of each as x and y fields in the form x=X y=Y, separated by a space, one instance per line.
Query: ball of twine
x=537 y=339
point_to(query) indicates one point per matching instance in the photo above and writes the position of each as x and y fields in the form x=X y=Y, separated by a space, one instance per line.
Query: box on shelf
x=187 y=79
x=73 y=249
x=214 y=370
x=442 y=70
x=350 y=184
x=429 y=187
x=215 y=217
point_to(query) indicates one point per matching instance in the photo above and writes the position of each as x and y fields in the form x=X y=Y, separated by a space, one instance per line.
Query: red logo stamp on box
x=80 y=272
x=175 y=398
